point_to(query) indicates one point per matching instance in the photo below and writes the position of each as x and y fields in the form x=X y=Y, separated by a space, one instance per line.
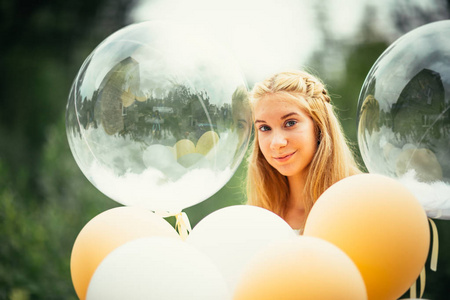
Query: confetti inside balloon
x=404 y=115
x=143 y=103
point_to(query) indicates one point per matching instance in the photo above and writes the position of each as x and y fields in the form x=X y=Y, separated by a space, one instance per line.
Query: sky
x=267 y=36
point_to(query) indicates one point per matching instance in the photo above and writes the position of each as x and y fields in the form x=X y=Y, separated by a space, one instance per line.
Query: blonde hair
x=333 y=160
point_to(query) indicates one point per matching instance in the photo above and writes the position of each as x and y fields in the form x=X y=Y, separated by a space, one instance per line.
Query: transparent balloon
x=404 y=115
x=158 y=117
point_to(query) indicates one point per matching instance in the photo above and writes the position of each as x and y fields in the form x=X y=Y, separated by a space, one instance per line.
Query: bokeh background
x=45 y=200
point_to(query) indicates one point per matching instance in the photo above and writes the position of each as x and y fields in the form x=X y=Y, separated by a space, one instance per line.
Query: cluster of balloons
x=371 y=243
x=377 y=241
x=132 y=253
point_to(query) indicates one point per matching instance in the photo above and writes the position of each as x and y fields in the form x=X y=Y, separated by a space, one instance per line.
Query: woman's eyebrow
x=288 y=115
x=282 y=118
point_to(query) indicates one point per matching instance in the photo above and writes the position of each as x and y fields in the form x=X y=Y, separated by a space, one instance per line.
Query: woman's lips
x=283 y=158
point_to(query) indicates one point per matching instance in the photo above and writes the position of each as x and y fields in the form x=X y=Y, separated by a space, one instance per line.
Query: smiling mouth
x=284 y=157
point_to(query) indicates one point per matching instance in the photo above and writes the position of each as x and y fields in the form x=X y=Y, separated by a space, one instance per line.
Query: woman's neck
x=296 y=191
x=295 y=209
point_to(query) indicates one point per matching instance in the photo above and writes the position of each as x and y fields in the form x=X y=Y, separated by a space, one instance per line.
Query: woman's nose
x=278 y=141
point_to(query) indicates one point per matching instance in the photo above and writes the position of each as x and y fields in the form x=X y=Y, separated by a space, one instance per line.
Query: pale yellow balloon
x=206 y=142
x=183 y=147
x=107 y=231
x=423 y=161
x=301 y=268
x=380 y=225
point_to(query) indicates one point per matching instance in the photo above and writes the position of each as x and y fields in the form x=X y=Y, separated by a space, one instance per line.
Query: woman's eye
x=264 y=128
x=290 y=123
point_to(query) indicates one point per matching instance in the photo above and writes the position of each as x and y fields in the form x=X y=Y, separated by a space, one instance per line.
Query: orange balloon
x=106 y=232
x=301 y=268
x=380 y=225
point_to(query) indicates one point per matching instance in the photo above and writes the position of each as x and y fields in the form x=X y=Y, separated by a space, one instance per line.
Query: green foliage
x=360 y=59
x=37 y=235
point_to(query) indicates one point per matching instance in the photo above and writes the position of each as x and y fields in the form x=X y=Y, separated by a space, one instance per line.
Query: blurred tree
x=43 y=44
x=36 y=237
x=408 y=15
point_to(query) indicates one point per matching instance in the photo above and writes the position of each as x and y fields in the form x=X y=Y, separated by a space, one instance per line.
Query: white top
x=298 y=231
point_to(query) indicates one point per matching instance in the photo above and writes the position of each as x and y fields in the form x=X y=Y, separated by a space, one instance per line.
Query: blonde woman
x=299 y=148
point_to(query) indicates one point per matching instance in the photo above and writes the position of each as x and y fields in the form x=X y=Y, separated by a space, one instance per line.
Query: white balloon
x=231 y=236
x=157 y=268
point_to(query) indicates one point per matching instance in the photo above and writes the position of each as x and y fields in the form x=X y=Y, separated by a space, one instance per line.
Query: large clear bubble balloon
x=158 y=117
x=404 y=115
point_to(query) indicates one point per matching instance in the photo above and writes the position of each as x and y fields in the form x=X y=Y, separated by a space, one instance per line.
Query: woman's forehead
x=275 y=105
x=275 y=100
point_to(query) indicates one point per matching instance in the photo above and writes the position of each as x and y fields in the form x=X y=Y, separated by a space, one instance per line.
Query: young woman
x=299 y=148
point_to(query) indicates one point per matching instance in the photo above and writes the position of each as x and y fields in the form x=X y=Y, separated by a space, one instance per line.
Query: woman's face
x=286 y=134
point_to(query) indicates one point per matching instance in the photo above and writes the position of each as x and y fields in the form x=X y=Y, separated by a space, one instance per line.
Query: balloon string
x=413 y=288
x=435 y=246
x=422 y=282
x=433 y=262
x=412 y=291
x=183 y=225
